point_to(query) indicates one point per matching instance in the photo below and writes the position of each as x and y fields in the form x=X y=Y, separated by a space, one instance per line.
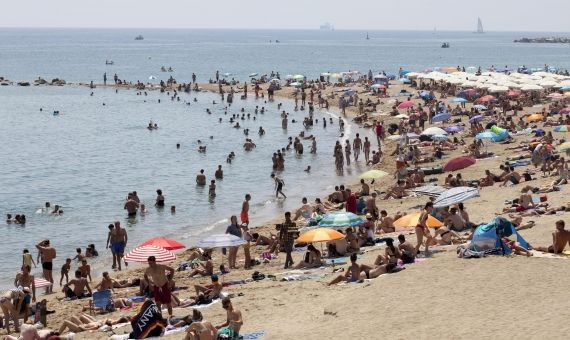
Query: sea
x=96 y=148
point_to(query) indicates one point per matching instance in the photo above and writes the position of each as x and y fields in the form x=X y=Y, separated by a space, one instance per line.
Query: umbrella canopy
x=459 y=163
x=220 y=241
x=454 y=129
x=476 y=119
x=163 y=242
x=442 y=117
x=485 y=99
x=563 y=146
x=341 y=219
x=454 y=196
x=458 y=100
x=531 y=87
x=320 y=235
x=40 y=282
x=487 y=135
x=298 y=77
x=534 y=117
x=432 y=131
x=513 y=93
x=141 y=254
x=412 y=220
x=562 y=128
x=406 y=104
x=373 y=174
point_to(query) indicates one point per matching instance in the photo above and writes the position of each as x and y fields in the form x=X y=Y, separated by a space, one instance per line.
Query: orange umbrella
x=534 y=118
x=320 y=235
x=412 y=220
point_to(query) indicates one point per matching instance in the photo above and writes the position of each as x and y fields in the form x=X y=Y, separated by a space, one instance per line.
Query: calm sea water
x=91 y=155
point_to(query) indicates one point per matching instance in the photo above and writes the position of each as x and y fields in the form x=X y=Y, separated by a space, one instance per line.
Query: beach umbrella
x=406 y=104
x=498 y=89
x=412 y=220
x=513 y=93
x=476 y=119
x=487 y=135
x=439 y=137
x=432 y=131
x=378 y=86
x=565 y=88
x=459 y=163
x=141 y=254
x=425 y=94
x=556 y=96
x=340 y=219
x=349 y=93
x=380 y=76
x=485 y=99
x=442 y=117
x=373 y=174
x=562 y=128
x=163 y=242
x=405 y=80
x=458 y=100
x=325 y=74
x=298 y=77
x=454 y=129
x=296 y=84
x=320 y=235
x=480 y=107
x=40 y=282
x=531 y=87
x=454 y=196
x=534 y=117
x=220 y=241
x=563 y=146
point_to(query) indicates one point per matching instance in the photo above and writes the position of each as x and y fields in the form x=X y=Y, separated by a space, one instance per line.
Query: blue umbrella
x=442 y=117
x=458 y=100
x=486 y=135
x=439 y=137
x=565 y=88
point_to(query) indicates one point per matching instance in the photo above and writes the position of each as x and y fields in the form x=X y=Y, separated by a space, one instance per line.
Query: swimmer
x=308 y=169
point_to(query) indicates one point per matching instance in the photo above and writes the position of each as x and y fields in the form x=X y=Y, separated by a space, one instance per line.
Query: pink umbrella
x=459 y=163
x=406 y=104
x=40 y=282
x=485 y=99
x=565 y=110
x=141 y=254
x=513 y=93
x=163 y=242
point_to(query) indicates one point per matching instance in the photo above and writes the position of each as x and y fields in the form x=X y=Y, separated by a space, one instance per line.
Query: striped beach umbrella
x=220 y=241
x=340 y=219
x=141 y=254
x=454 y=196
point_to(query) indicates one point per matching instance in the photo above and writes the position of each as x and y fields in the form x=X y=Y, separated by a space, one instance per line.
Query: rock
x=23 y=83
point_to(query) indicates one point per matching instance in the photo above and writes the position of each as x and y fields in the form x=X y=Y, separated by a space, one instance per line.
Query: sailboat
x=479 y=26
x=367 y=37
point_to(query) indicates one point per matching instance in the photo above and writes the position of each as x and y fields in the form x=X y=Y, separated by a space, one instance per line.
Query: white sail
x=479 y=26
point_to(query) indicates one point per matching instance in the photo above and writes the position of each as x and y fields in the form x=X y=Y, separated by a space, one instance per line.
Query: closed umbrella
x=141 y=254
x=412 y=220
x=432 y=131
x=373 y=174
x=406 y=104
x=442 y=117
x=220 y=241
x=163 y=242
x=454 y=196
x=320 y=235
x=459 y=163
x=340 y=219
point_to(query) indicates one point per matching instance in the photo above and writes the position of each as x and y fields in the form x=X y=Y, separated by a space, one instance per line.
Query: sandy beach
x=440 y=296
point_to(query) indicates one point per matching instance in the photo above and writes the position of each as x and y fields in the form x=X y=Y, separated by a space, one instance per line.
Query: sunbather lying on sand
x=84 y=322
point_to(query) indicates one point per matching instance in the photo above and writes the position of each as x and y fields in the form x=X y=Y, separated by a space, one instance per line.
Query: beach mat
x=252 y=335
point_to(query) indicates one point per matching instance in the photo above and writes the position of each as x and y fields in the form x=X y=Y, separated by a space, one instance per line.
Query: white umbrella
x=498 y=89
x=531 y=87
x=432 y=131
x=220 y=241
x=548 y=84
x=454 y=196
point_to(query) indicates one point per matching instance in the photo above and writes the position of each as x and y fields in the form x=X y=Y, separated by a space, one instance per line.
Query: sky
x=497 y=15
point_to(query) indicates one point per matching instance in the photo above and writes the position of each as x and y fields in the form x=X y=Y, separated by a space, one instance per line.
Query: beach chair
x=102 y=300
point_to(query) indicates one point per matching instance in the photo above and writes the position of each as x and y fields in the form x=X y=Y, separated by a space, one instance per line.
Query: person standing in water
x=357 y=146
x=347 y=152
x=279 y=183
x=366 y=149
x=244 y=216
x=159 y=199
x=212 y=188
x=201 y=178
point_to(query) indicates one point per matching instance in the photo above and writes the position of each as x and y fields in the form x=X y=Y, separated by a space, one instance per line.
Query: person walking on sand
x=156 y=275
x=347 y=152
x=244 y=216
x=279 y=183
x=287 y=235
x=46 y=254
x=422 y=229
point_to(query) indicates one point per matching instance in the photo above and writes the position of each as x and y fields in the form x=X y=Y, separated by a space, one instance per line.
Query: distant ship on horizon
x=479 y=26
x=327 y=26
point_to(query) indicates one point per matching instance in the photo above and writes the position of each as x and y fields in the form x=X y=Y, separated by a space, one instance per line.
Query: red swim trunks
x=162 y=294
x=244 y=217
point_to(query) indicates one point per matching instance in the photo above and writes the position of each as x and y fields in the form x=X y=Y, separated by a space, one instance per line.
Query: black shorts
x=279 y=187
x=133 y=214
x=47 y=265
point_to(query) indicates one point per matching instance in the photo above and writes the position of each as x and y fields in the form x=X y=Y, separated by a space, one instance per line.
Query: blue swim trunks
x=118 y=247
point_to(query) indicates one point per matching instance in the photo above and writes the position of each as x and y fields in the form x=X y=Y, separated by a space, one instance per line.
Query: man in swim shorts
x=131 y=206
x=244 y=216
x=118 y=239
x=47 y=254
x=155 y=274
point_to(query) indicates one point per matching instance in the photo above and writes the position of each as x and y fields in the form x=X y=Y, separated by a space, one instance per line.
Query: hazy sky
x=497 y=15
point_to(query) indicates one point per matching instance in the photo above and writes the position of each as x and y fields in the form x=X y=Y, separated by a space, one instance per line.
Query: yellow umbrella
x=534 y=118
x=320 y=235
x=373 y=174
x=563 y=146
x=412 y=220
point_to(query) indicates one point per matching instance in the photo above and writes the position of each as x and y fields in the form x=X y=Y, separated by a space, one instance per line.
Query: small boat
x=445 y=45
x=109 y=62
x=367 y=37
x=139 y=37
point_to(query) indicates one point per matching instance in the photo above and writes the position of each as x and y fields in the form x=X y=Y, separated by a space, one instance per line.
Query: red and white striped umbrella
x=141 y=254
x=40 y=282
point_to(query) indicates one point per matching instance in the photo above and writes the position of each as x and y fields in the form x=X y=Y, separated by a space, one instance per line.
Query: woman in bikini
x=422 y=228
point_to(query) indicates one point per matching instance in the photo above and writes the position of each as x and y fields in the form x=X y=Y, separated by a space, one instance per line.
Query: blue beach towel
x=253 y=335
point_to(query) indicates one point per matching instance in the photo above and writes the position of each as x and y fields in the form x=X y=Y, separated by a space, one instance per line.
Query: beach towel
x=174 y=330
x=206 y=305
x=253 y=335
x=148 y=321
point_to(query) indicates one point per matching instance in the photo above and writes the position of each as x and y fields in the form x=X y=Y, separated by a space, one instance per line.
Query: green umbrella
x=373 y=174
